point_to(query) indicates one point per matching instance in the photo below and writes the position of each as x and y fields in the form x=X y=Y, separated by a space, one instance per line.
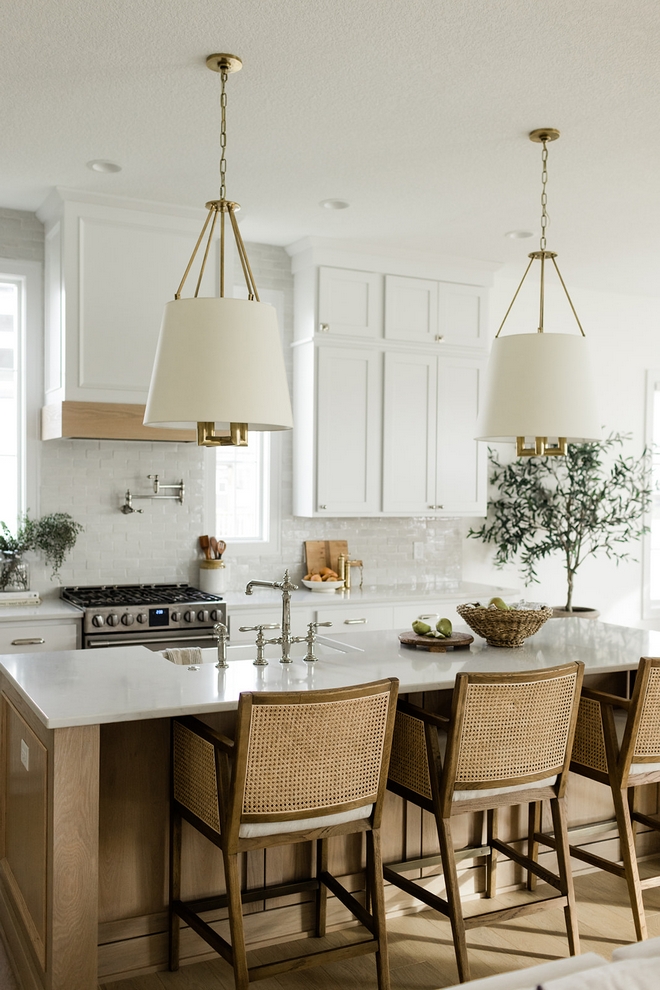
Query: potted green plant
x=54 y=535
x=592 y=501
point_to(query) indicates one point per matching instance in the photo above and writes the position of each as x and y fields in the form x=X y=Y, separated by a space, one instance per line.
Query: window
x=243 y=483
x=20 y=387
x=11 y=399
x=652 y=539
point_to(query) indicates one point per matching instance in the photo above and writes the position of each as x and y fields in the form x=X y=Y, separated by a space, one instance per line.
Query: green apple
x=498 y=603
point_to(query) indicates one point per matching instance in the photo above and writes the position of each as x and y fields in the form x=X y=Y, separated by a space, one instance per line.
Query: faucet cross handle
x=261 y=640
x=310 y=638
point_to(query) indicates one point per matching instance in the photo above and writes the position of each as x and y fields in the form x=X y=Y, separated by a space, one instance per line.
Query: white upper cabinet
x=460 y=459
x=350 y=303
x=462 y=315
x=411 y=309
x=409 y=431
x=348 y=459
x=109 y=272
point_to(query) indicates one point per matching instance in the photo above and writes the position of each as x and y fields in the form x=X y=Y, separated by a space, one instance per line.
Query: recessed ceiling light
x=518 y=235
x=99 y=165
x=334 y=204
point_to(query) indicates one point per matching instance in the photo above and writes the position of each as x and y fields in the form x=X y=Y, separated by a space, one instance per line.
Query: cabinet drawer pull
x=439 y=337
x=324 y=327
x=28 y=642
x=322 y=506
x=436 y=506
x=355 y=622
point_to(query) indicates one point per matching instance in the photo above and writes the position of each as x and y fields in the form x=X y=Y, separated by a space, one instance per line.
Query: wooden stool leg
x=235 y=907
x=367 y=868
x=560 y=825
x=175 y=888
x=322 y=892
x=534 y=826
x=629 y=857
x=453 y=898
x=491 y=861
x=377 y=894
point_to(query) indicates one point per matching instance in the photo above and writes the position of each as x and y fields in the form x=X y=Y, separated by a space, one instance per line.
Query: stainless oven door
x=161 y=640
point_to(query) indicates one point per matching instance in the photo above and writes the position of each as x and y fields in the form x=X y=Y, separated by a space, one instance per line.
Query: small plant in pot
x=592 y=501
x=53 y=535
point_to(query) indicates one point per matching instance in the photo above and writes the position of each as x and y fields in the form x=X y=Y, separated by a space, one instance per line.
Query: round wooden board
x=456 y=641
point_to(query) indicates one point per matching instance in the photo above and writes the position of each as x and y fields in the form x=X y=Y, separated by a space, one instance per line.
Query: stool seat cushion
x=248 y=830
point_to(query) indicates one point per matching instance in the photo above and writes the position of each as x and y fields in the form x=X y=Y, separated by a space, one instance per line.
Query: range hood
x=104 y=421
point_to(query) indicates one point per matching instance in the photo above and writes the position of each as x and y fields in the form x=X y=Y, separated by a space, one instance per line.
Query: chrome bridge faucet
x=286 y=639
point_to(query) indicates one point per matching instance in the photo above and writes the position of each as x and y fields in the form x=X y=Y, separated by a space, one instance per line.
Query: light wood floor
x=421 y=951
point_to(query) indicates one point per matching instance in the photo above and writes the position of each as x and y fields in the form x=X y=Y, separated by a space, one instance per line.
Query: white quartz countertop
x=86 y=687
x=50 y=609
x=369 y=595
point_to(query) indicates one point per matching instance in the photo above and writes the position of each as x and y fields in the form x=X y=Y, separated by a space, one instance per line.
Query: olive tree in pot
x=54 y=535
x=592 y=501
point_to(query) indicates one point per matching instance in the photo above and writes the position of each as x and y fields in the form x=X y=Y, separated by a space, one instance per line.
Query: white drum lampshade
x=219 y=361
x=539 y=385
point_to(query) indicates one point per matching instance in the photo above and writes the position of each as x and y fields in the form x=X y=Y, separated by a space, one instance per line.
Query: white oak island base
x=84 y=826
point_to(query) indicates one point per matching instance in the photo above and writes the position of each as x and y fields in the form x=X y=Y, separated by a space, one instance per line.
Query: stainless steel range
x=153 y=615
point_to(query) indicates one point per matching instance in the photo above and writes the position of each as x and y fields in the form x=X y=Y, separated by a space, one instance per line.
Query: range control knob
x=113 y=620
x=128 y=619
x=190 y=616
x=215 y=615
x=203 y=615
x=175 y=616
x=142 y=618
x=97 y=620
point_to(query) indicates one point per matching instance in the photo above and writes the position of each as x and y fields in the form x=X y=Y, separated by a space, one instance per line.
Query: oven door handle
x=143 y=642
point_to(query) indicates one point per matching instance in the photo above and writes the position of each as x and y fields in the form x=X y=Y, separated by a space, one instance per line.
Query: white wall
x=624 y=334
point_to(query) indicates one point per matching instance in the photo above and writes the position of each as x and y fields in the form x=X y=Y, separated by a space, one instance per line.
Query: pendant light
x=219 y=363
x=539 y=386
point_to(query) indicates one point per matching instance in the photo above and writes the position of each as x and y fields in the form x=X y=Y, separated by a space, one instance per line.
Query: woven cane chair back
x=647 y=740
x=194 y=775
x=513 y=730
x=409 y=764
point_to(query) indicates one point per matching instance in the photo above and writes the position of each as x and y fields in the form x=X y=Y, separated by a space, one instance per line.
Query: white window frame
x=252 y=547
x=28 y=276
x=650 y=607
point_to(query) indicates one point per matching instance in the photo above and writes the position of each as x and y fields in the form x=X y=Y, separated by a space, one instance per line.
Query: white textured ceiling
x=415 y=111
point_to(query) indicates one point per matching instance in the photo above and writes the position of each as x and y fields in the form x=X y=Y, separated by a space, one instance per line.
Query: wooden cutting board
x=457 y=641
x=323 y=553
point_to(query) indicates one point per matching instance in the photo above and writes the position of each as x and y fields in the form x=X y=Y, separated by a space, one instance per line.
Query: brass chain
x=544 y=195
x=223 y=135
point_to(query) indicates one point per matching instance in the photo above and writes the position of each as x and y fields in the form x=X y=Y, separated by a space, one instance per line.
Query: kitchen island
x=83 y=855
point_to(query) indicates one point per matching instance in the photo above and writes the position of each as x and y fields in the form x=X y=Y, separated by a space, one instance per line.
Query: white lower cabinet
x=353 y=618
x=28 y=637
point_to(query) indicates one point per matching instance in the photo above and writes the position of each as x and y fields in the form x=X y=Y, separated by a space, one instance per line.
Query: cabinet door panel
x=348 y=430
x=411 y=308
x=351 y=302
x=409 y=432
x=461 y=486
x=462 y=314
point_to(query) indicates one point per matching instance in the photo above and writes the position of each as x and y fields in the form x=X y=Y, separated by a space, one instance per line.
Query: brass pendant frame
x=541 y=447
x=223 y=208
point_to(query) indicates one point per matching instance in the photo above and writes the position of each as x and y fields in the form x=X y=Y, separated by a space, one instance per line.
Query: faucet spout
x=286 y=587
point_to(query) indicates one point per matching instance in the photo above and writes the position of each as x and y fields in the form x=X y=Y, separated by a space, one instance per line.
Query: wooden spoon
x=204 y=545
x=214 y=548
x=220 y=547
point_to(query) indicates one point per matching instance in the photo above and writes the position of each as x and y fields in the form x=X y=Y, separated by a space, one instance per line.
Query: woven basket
x=504 y=628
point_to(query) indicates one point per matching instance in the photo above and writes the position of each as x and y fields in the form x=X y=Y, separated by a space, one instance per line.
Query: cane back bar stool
x=507 y=742
x=617 y=742
x=305 y=765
